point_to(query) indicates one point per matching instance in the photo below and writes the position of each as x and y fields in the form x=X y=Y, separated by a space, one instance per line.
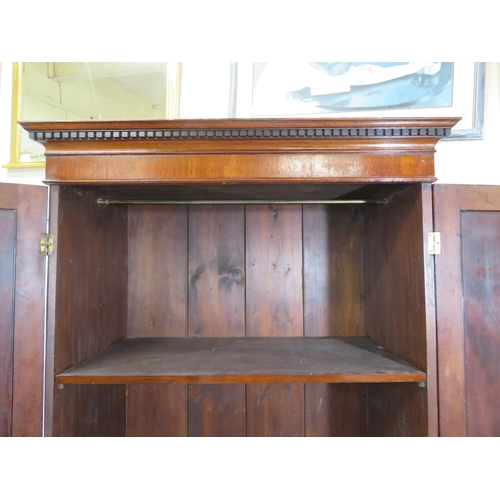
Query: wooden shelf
x=242 y=360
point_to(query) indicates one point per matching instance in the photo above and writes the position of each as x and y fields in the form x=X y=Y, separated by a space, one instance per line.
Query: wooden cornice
x=291 y=139
x=216 y=129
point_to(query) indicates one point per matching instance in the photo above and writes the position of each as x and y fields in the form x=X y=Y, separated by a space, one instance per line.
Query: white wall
x=460 y=162
x=475 y=161
x=24 y=175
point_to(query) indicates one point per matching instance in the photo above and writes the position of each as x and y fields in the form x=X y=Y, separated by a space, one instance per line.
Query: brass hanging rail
x=102 y=201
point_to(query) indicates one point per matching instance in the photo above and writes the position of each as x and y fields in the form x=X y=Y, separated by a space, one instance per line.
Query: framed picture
x=348 y=89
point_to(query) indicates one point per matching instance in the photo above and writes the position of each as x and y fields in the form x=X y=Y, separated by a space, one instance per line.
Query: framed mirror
x=57 y=91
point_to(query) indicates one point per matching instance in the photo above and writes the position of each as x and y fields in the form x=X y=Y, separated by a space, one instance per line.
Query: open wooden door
x=23 y=217
x=468 y=309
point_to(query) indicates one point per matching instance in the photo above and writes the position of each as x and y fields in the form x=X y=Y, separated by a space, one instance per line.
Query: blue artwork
x=334 y=87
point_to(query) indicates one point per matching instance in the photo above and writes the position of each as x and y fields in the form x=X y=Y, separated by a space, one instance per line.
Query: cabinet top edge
x=222 y=125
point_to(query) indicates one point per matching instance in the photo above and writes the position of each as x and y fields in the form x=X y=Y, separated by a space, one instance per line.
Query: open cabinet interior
x=241 y=319
x=241 y=277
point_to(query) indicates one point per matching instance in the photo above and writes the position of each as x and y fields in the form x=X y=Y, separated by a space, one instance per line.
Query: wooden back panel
x=157 y=297
x=334 y=306
x=216 y=286
x=242 y=270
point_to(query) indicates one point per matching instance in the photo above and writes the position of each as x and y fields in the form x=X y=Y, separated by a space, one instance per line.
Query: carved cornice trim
x=239 y=133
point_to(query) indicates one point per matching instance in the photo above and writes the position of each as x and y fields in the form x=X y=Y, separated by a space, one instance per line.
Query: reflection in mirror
x=53 y=91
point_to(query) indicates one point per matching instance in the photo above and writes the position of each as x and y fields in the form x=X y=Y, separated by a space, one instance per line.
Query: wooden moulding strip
x=287 y=136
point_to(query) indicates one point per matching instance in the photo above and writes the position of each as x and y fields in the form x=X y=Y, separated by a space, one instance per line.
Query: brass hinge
x=46 y=243
x=434 y=243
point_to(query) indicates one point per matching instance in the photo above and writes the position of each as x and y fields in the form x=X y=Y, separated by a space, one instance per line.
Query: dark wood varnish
x=156 y=410
x=333 y=306
x=157 y=298
x=7 y=290
x=481 y=282
x=216 y=284
x=159 y=315
x=395 y=306
x=274 y=271
x=242 y=360
x=23 y=210
x=467 y=281
x=274 y=308
x=396 y=410
x=186 y=151
x=91 y=308
x=394 y=277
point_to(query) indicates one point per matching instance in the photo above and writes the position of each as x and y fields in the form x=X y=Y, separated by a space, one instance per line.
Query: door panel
x=27 y=206
x=7 y=281
x=481 y=281
x=468 y=309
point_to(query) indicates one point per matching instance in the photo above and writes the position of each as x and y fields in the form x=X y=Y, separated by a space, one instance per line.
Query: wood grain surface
x=91 y=308
x=246 y=150
x=395 y=307
x=481 y=292
x=274 y=302
x=333 y=306
x=157 y=307
x=216 y=285
x=7 y=290
x=257 y=274
x=466 y=345
x=246 y=359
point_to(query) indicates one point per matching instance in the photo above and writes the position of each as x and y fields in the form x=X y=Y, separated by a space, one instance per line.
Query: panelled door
x=23 y=217
x=468 y=309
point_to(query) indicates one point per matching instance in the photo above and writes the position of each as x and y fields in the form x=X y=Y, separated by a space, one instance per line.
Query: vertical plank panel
x=216 y=271
x=90 y=308
x=333 y=271
x=274 y=308
x=275 y=410
x=7 y=280
x=481 y=291
x=110 y=415
x=333 y=306
x=216 y=309
x=157 y=271
x=394 y=276
x=274 y=271
x=335 y=410
x=395 y=307
x=156 y=410
x=396 y=410
x=217 y=410
x=157 y=308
